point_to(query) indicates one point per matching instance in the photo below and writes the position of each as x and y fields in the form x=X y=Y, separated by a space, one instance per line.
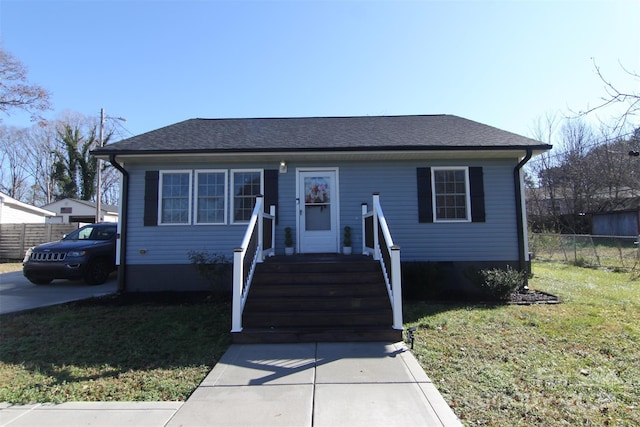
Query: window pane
x=211 y=197
x=246 y=186
x=175 y=198
x=450 y=189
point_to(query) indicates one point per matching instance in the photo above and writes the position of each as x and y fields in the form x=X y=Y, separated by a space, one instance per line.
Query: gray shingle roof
x=426 y=132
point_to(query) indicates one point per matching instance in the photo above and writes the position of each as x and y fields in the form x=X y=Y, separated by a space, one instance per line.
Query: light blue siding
x=170 y=244
x=492 y=240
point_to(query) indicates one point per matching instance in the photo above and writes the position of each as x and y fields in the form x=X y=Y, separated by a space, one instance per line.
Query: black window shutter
x=425 y=208
x=151 y=179
x=270 y=189
x=476 y=187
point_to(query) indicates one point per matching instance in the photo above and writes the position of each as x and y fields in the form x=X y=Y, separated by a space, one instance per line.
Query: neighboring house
x=83 y=211
x=451 y=190
x=13 y=211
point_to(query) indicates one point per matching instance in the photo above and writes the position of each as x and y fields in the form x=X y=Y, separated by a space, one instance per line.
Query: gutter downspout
x=123 y=223
x=520 y=222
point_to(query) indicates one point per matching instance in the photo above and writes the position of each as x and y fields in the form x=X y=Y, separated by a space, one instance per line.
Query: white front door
x=318 y=211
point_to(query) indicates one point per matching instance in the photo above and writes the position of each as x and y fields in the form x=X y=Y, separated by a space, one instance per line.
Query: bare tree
x=580 y=182
x=15 y=90
x=49 y=161
x=110 y=184
x=543 y=207
x=42 y=149
x=587 y=172
x=616 y=171
x=14 y=170
x=616 y=95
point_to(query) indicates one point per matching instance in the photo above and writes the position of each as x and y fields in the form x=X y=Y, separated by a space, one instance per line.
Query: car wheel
x=97 y=272
x=40 y=280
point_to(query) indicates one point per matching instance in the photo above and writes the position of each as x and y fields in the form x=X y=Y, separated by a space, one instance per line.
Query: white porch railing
x=258 y=242
x=377 y=241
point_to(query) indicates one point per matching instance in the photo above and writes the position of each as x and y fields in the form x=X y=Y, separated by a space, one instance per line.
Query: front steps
x=321 y=298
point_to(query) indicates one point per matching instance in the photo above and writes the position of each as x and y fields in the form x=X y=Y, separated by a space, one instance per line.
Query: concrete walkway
x=314 y=384
x=18 y=294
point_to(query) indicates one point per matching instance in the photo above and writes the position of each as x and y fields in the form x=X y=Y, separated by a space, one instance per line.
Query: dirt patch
x=532 y=297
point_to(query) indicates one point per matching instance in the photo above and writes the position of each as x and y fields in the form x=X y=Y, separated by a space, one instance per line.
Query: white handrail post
x=272 y=212
x=364 y=211
x=238 y=278
x=259 y=201
x=376 y=243
x=396 y=287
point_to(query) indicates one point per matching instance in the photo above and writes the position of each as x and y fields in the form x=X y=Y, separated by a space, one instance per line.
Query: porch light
x=283 y=166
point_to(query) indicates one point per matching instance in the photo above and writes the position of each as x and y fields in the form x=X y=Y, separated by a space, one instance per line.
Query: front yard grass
x=575 y=363
x=117 y=348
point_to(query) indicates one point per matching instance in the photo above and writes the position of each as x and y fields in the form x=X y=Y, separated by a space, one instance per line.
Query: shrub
x=500 y=283
x=214 y=268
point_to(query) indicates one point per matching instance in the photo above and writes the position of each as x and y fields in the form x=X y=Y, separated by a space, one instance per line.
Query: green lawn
x=111 y=349
x=575 y=363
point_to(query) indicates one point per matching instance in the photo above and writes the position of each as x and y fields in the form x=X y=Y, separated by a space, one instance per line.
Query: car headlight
x=27 y=254
x=76 y=253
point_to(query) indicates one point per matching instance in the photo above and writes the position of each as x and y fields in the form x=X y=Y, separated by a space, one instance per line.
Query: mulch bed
x=532 y=297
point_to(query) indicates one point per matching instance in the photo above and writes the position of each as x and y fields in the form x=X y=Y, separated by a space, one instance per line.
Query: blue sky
x=160 y=62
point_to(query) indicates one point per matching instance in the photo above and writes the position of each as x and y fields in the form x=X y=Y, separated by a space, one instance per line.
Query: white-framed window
x=211 y=197
x=175 y=197
x=450 y=192
x=246 y=184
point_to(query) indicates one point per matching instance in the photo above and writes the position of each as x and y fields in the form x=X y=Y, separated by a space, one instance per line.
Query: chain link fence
x=615 y=252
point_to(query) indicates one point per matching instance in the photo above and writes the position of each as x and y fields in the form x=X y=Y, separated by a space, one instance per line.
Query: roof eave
x=106 y=153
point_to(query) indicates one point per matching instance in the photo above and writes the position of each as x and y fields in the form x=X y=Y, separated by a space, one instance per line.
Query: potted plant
x=288 y=241
x=346 y=248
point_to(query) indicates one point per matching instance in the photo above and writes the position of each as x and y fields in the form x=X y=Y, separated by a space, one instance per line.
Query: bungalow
x=449 y=190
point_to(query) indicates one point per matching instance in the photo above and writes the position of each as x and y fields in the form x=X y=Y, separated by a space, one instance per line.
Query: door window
x=317 y=199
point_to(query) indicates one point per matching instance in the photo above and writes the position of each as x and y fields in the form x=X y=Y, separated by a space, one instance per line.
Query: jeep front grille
x=48 y=256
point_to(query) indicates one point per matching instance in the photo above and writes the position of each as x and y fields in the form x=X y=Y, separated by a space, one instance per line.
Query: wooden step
x=322 y=302
x=292 y=335
x=318 y=298
x=261 y=290
x=265 y=275
x=317 y=318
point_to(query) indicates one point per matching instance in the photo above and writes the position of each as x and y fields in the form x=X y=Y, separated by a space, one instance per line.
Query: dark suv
x=89 y=253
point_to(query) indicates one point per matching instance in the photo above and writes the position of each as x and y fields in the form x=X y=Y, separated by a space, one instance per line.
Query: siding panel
x=396 y=182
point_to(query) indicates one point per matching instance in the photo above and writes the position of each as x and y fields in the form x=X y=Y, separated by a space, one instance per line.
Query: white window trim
x=225 y=195
x=467 y=193
x=232 y=196
x=190 y=202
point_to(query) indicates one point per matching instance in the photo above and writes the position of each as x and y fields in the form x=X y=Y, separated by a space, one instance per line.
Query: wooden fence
x=15 y=239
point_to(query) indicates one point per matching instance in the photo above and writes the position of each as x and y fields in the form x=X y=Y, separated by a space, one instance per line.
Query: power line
x=588 y=147
x=121 y=131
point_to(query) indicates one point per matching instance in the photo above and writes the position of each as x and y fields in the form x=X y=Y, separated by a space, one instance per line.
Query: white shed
x=84 y=211
x=13 y=211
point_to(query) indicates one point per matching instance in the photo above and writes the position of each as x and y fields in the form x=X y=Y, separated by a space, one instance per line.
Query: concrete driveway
x=17 y=293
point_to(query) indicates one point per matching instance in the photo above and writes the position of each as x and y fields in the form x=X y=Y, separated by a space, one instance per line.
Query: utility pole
x=103 y=117
x=99 y=189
